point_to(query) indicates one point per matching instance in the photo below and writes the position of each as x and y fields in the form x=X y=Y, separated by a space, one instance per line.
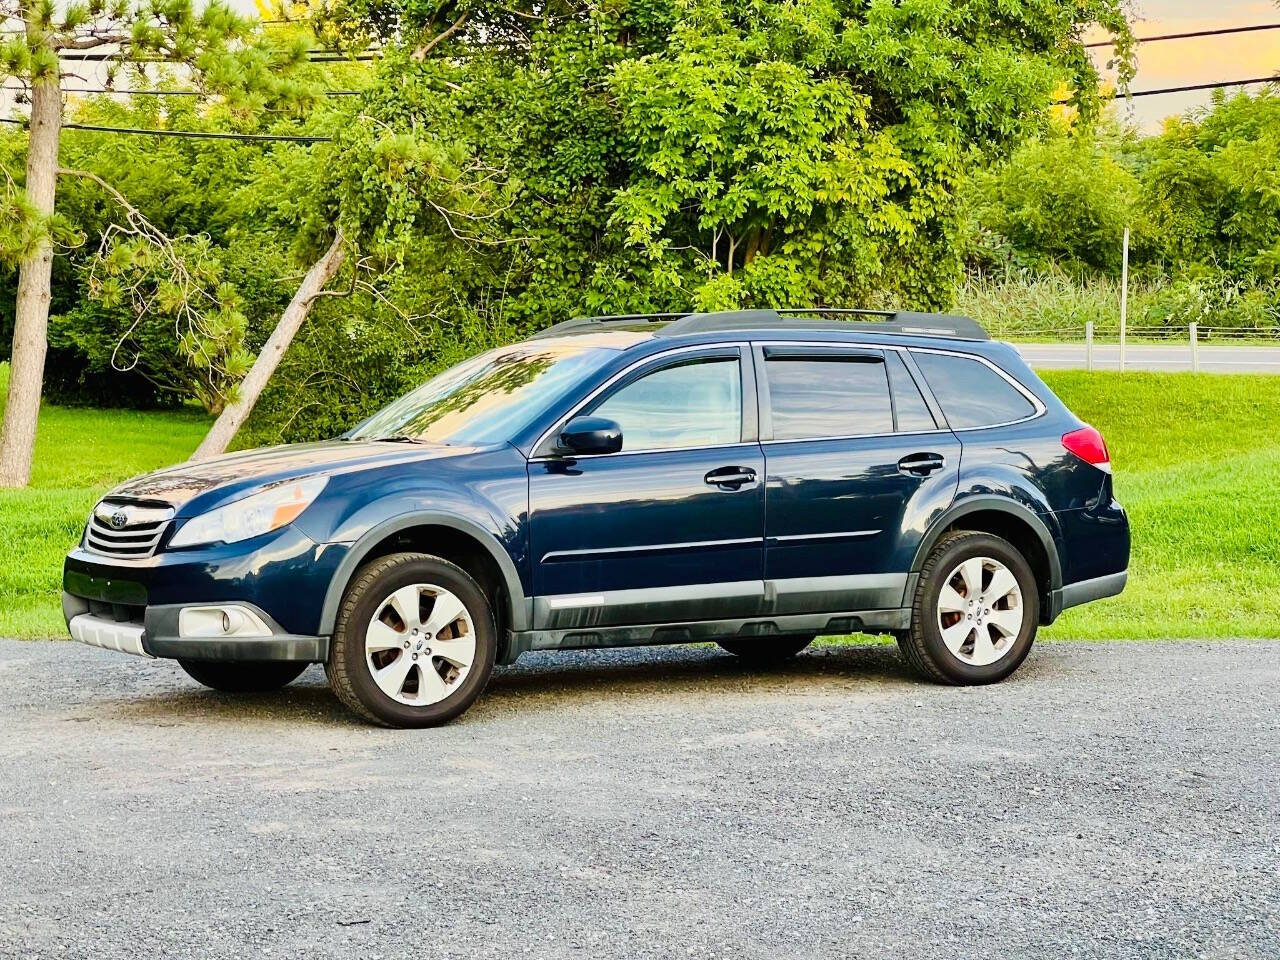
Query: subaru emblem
x=119 y=520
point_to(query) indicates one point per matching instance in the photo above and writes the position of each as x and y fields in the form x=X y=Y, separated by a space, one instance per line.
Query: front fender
x=521 y=606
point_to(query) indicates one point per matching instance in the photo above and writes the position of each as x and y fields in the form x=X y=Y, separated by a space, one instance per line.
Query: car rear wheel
x=414 y=643
x=765 y=651
x=975 y=611
x=243 y=677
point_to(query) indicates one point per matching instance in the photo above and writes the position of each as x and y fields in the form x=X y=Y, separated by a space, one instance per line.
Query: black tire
x=347 y=669
x=923 y=646
x=250 y=676
x=766 y=651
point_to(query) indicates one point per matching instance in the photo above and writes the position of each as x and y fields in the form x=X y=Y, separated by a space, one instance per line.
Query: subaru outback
x=752 y=478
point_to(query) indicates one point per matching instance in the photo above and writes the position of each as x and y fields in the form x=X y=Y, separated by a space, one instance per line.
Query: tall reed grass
x=1057 y=307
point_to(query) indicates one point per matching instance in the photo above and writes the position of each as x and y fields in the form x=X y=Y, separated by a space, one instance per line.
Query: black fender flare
x=520 y=610
x=970 y=505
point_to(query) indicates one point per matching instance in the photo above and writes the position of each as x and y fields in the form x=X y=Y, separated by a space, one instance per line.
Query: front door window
x=693 y=404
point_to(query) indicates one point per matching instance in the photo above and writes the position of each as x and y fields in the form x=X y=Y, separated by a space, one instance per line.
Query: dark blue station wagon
x=753 y=478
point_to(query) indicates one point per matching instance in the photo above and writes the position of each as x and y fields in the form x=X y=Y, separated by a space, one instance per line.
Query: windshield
x=487 y=399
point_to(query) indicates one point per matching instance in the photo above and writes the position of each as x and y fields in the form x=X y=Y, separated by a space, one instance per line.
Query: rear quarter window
x=970 y=392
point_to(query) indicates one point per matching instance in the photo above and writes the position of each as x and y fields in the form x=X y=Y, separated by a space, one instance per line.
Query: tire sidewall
x=349 y=636
x=982 y=545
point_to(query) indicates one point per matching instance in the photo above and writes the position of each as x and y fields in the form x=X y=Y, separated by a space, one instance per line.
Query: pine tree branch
x=89 y=42
x=421 y=53
x=119 y=197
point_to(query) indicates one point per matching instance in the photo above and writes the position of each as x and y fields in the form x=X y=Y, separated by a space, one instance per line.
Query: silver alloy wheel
x=980 y=611
x=420 y=644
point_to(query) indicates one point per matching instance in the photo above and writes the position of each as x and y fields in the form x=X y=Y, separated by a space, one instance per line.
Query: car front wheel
x=975 y=611
x=414 y=643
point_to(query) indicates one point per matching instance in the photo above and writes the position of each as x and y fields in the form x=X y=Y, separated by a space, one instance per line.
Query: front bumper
x=136 y=606
x=157 y=634
x=108 y=634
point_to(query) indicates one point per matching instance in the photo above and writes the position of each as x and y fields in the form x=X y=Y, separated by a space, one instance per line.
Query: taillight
x=1087 y=444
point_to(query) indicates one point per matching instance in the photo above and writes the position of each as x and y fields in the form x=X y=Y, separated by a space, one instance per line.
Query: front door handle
x=921 y=464
x=730 y=478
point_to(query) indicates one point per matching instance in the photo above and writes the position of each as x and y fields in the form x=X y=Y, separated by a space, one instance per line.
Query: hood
x=237 y=474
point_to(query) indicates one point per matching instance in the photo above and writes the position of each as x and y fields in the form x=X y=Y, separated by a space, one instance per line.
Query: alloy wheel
x=420 y=644
x=980 y=611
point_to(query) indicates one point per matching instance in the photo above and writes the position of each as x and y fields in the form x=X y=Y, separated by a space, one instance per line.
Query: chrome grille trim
x=134 y=539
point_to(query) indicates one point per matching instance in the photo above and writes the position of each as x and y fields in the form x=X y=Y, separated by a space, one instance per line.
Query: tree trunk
x=235 y=413
x=31 y=314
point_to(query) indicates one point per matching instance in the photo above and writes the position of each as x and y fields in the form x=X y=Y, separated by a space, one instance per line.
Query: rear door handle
x=730 y=478
x=921 y=464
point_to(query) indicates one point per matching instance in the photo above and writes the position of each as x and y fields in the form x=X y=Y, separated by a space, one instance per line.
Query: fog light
x=224 y=621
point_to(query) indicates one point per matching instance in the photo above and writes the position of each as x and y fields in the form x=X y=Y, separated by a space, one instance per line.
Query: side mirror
x=591 y=435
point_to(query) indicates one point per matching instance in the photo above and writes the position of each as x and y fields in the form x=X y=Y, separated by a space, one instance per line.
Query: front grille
x=126 y=530
x=118 y=612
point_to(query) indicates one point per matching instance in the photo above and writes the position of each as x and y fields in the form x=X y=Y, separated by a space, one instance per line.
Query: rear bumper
x=1086 y=591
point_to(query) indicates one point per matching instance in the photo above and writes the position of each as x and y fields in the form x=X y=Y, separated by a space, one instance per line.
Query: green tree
x=1061 y=200
x=1211 y=185
x=514 y=165
x=213 y=43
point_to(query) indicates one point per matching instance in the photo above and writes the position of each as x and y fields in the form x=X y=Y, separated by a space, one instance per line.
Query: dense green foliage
x=1202 y=565
x=1202 y=200
x=658 y=155
x=511 y=166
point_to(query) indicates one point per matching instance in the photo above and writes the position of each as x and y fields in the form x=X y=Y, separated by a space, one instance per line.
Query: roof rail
x=829 y=318
x=578 y=323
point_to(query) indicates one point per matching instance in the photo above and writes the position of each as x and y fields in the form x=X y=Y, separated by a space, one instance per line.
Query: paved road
x=1062 y=356
x=1111 y=801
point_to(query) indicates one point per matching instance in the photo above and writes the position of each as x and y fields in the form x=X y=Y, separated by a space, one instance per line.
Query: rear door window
x=834 y=396
x=970 y=392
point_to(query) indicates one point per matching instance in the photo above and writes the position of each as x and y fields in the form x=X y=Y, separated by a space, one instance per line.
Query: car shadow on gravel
x=547 y=680
x=308 y=699
x=573 y=673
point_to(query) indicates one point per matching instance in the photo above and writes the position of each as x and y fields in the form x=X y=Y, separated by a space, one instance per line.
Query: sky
x=1172 y=63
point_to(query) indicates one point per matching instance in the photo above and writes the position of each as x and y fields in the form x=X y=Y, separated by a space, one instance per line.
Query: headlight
x=254 y=515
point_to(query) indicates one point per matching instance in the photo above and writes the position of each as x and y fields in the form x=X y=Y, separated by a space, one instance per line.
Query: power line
x=1194 y=33
x=307 y=138
x=184 y=93
x=99 y=57
x=1193 y=86
x=191 y=134
x=355 y=93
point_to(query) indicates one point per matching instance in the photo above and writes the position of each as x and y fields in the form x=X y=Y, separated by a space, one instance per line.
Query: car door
x=671 y=527
x=856 y=466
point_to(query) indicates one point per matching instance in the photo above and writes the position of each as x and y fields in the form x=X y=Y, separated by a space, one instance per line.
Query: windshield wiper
x=399 y=439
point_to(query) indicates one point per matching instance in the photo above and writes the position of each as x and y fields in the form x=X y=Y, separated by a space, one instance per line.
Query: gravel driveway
x=1109 y=801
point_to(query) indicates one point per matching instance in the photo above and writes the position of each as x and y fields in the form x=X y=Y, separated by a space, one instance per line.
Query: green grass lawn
x=1197 y=462
x=80 y=453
